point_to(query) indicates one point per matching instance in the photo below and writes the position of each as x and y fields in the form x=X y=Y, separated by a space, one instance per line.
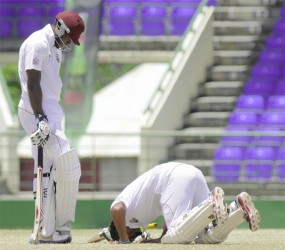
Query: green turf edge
x=19 y=214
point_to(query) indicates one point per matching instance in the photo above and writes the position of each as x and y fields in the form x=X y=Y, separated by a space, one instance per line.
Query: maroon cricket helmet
x=74 y=23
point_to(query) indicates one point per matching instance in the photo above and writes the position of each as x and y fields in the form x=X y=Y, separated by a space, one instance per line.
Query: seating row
x=121 y=17
x=258 y=103
x=254 y=164
x=259 y=136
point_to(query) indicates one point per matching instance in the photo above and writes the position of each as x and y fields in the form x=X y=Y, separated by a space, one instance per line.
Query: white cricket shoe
x=56 y=238
x=220 y=207
x=251 y=213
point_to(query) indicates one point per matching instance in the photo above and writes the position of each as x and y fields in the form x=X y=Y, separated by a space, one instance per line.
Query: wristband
x=41 y=117
x=124 y=242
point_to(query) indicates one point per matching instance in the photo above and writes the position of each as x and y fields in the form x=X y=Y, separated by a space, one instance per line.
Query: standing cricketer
x=41 y=116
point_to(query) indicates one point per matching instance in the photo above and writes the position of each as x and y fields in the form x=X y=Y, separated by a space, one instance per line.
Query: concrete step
x=193 y=151
x=135 y=43
x=248 y=2
x=250 y=42
x=134 y=57
x=228 y=73
x=212 y=135
x=214 y=103
x=242 y=27
x=206 y=119
x=246 y=13
x=222 y=88
x=235 y=57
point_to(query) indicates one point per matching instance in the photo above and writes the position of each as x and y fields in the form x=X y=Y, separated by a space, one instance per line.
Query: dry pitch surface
x=239 y=239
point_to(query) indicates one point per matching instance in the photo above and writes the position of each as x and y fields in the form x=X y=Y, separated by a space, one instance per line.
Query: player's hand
x=41 y=135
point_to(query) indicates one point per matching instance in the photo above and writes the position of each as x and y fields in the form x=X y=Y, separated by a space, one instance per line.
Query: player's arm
x=41 y=135
x=35 y=91
x=157 y=240
x=118 y=213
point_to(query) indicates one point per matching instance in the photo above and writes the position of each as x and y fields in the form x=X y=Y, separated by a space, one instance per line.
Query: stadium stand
x=248 y=40
x=260 y=95
x=245 y=80
x=129 y=18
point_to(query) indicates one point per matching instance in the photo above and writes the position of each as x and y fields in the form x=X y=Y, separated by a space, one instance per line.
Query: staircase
x=240 y=28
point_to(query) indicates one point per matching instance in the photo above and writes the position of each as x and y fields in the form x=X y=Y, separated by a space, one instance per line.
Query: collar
x=49 y=35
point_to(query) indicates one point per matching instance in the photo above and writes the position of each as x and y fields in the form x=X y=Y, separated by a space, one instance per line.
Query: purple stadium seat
x=27 y=27
x=153 y=21
x=259 y=163
x=31 y=12
x=6 y=28
x=7 y=14
x=212 y=3
x=180 y=19
x=282 y=12
x=243 y=119
x=8 y=11
x=258 y=87
x=276 y=102
x=122 y=28
x=275 y=41
x=154 y=3
x=279 y=27
x=30 y=19
x=123 y=12
x=53 y=11
x=254 y=103
x=280 y=88
x=280 y=163
x=57 y=2
x=266 y=70
x=236 y=136
x=272 y=56
x=273 y=119
x=122 y=20
x=4 y=2
x=227 y=164
x=268 y=137
x=117 y=3
x=184 y=2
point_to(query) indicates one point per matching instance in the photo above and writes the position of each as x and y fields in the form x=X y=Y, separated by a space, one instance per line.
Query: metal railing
x=111 y=160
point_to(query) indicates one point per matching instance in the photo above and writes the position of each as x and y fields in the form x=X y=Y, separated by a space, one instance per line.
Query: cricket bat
x=39 y=197
x=99 y=237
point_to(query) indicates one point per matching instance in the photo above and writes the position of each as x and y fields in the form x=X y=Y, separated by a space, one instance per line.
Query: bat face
x=96 y=238
x=38 y=205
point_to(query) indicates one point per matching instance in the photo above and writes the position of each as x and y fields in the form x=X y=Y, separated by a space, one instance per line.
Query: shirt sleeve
x=35 y=56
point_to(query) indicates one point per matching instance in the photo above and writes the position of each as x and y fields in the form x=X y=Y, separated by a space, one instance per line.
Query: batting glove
x=144 y=236
x=41 y=135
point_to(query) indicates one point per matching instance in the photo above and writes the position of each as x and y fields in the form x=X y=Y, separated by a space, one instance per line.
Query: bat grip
x=40 y=156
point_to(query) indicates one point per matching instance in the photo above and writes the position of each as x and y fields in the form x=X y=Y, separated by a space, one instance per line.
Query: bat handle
x=40 y=156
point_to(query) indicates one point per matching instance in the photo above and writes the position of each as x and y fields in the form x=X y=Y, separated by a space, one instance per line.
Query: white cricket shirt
x=39 y=53
x=168 y=183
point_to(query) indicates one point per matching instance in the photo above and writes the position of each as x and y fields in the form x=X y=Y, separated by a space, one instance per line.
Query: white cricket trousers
x=186 y=188
x=57 y=142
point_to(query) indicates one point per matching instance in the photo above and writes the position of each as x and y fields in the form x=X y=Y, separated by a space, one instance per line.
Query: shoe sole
x=251 y=213
x=65 y=241
x=219 y=207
